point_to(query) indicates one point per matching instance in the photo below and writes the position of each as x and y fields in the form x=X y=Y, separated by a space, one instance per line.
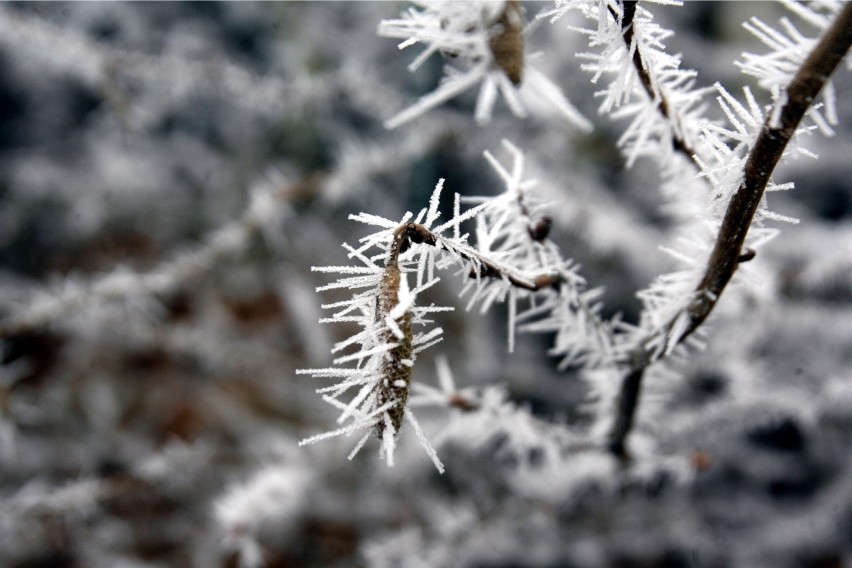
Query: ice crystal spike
x=485 y=39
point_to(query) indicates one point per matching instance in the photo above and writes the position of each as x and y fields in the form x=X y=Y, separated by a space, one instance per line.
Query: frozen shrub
x=169 y=174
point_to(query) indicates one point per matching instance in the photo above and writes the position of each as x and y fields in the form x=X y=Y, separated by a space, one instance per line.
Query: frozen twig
x=655 y=94
x=727 y=252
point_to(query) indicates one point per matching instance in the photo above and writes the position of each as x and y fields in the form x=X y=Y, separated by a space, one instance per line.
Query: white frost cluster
x=464 y=31
x=507 y=229
x=364 y=411
x=511 y=261
x=788 y=48
x=274 y=493
x=650 y=134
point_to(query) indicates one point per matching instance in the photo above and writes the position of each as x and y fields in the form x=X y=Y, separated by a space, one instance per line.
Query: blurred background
x=169 y=172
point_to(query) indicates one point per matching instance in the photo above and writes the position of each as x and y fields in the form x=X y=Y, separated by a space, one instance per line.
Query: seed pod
x=507 y=41
x=395 y=371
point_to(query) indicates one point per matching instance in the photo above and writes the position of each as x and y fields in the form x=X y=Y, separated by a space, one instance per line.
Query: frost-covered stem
x=629 y=10
x=727 y=252
x=625 y=411
x=484 y=266
x=764 y=155
x=538 y=230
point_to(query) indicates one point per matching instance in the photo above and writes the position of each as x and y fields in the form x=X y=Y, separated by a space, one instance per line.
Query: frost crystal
x=511 y=261
x=662 y=103
x=788 y=49
x=486 y=39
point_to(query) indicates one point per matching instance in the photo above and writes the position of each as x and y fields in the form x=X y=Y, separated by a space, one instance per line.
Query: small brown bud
x=701 y=461
x=545 y=280
x=747 y=255
x=541 y=229
x=456 y=400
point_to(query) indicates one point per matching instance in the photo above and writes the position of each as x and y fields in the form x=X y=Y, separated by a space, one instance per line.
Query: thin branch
x=727 y=252
x=629 y=9
x=484 y=266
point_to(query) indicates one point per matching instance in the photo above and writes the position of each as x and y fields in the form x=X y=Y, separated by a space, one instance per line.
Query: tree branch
x=627 y=32
x=727 y=252
x=483 y=266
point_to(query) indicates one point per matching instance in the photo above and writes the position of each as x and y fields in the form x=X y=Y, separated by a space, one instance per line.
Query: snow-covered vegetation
x=567 y=326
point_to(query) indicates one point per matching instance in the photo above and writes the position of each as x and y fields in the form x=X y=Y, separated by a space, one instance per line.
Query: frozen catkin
x=483 y=43
x=507 y=42
x=511 y=262
x=391 y=329
x=396 y=369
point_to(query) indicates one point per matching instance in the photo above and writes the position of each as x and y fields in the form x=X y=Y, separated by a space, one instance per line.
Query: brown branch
x=483 y=266
x=627 y=33
x=727 y=252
